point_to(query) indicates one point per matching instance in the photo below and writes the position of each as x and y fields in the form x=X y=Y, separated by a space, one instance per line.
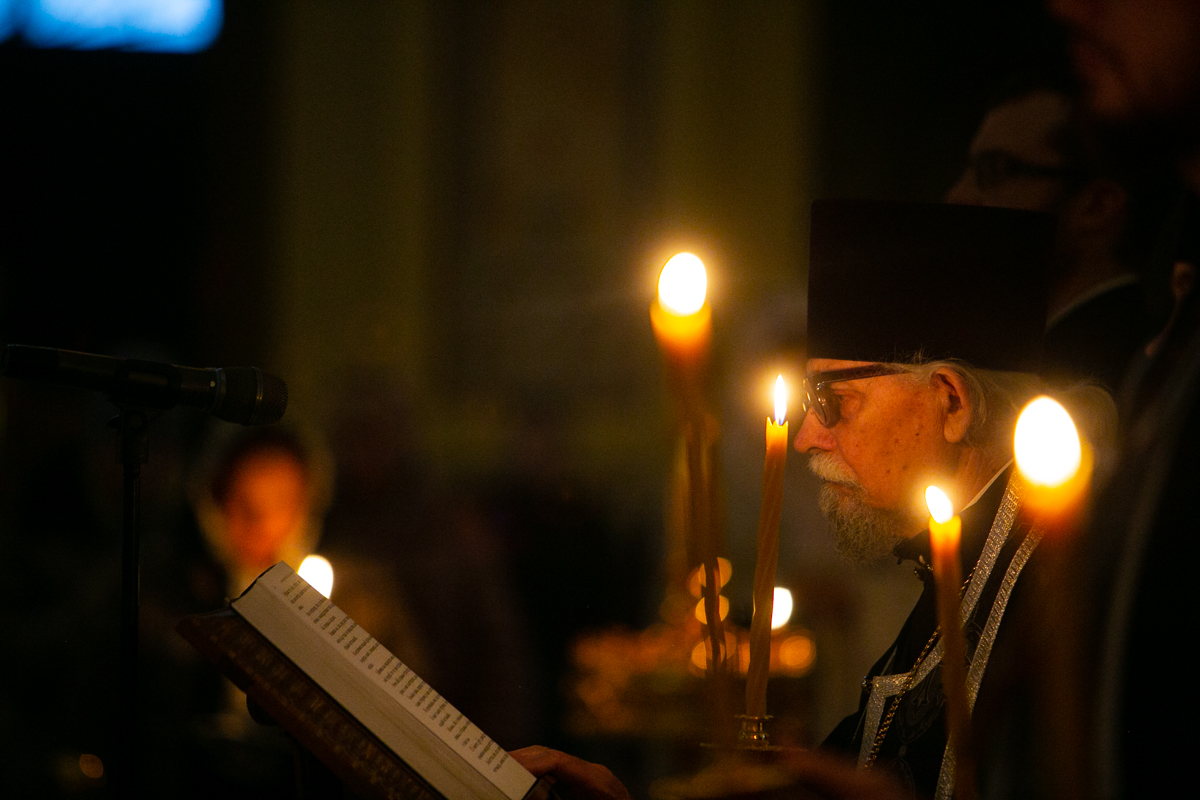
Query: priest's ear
x=957 y=403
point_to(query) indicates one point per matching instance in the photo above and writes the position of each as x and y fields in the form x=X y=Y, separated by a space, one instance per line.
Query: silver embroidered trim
x=997 y=536
x=884 y=687
x=983 y=651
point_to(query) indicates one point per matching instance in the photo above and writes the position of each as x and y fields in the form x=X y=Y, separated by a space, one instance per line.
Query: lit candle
x=945 y=529
x=1055 y=464
x=682 y=325
x=318 y=573
x=768 y=556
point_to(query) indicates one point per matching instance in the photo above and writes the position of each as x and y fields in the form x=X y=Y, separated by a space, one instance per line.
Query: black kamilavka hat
x=887 y=281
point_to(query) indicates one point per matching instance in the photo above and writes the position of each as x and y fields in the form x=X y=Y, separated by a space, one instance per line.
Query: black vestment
x=914 y=746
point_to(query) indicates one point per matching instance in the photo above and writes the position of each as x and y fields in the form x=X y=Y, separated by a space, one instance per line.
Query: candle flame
x=91 y=766
x=318 y=572
x=781 y=608
x=682 y=285
x=722 y=609
x=797 y=653
x=939 y=505
x=780 y=400
x=1046 y=444
x=697 y=577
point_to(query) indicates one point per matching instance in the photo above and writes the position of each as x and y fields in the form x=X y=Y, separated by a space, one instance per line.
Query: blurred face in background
x=1139 y=60
x=266 y=507
x=1015 y=161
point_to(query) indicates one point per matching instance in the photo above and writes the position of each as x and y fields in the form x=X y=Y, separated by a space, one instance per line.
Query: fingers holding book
x=574 y=777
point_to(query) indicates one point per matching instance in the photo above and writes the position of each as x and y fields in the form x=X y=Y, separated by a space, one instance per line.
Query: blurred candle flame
x=722 y=609
x=1046 y=444
x=91 y=766
x=682 y=285
x=781 y=608
x=780 y=400
x=697 y=578
x=318 y=572
x=939 y=504
x=797 y=653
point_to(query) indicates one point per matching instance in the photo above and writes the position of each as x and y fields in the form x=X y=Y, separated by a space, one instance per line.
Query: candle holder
x=752 y=735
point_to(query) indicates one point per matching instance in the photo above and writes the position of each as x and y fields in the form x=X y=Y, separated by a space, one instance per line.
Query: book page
x=351 y=663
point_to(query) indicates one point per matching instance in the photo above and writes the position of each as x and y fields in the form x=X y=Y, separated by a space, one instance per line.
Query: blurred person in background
x=258 y=496
x=261 y=502
x=262 y=499
x=1033 y=152
x=1139 y=64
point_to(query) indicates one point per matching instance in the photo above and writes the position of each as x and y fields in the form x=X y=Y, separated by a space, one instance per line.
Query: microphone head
x=250 y=397
x=274 y=400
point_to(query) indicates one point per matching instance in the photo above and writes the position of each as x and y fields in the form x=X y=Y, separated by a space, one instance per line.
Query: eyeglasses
x=823 y=402
x=993 y=168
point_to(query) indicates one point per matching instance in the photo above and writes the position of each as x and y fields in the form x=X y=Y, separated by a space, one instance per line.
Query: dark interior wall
x=142 y=187
x=105 y=195
x=137 y=196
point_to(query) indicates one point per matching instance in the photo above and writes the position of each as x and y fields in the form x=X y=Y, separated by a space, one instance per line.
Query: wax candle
x=945 y=530
x=682 y=325
x=1055 y=466
x=768 y=556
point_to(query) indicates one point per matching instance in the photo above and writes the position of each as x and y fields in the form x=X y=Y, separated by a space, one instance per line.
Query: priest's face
x=877 y=459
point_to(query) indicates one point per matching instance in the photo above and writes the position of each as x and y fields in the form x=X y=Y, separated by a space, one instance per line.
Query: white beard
x=861 y=532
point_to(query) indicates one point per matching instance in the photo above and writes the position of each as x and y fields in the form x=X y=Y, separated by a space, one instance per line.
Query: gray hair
x=997 y=399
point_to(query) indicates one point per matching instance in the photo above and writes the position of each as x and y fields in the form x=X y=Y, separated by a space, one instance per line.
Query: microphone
x=245 y=395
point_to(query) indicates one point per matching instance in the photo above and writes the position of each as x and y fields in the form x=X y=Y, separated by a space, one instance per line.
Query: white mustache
x=826 y=467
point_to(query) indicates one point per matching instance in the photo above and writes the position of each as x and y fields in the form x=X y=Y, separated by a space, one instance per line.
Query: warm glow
x=91 y=766
x=697 y=579
x=797 y=653
x=1046 y=444
x=319 y=574
x=939 y=505
x=780 y=400
x=682 y=285
x=722 y=605
x=703 y=648
x=781 y=608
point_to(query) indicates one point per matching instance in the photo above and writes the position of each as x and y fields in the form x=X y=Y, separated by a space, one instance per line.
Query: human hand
x=579 y=779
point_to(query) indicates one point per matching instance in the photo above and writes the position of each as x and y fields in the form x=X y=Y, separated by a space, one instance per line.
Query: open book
x=316 y=666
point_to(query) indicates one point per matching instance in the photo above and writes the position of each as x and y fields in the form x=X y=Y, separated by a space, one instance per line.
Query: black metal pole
x=133 y=451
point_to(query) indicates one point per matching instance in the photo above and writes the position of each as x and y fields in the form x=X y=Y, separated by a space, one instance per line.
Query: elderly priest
x=925 y=329
x=925 y=325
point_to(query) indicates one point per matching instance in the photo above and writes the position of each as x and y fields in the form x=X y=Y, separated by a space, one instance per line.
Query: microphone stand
x=244 y=394
x=132 y=424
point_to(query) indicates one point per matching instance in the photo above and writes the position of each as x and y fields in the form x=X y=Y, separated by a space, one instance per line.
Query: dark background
x=466 y=203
